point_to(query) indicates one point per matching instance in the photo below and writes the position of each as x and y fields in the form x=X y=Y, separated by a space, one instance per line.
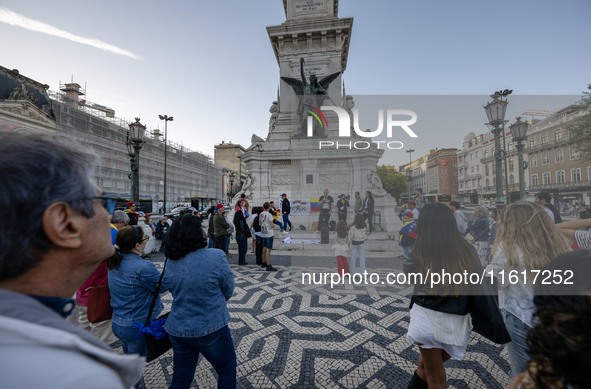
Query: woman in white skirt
x=440 y=322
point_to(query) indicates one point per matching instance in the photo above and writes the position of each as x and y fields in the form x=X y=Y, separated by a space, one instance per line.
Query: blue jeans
x=242 y=242
x=407 y=250
x=130 y=344
x=357 y=251
x=517 y=348
x=210 y=243
x=278 y=223
x=286 y=221
x=369 y=218
x=228 y=239
x=216 y=347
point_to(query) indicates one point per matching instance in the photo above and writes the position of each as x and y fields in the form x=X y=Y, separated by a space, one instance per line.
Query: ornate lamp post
x=495 y=112
x=232 y=176
x=135 y=141
x=519 y=132
x=166 y=120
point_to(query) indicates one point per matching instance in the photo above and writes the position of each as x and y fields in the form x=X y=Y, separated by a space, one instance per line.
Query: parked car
x=182 y=210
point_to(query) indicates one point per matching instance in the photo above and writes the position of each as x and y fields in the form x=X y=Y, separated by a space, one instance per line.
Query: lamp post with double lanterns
x=519 y=132
x=166 y=119
x=495 y=112
x=410 y=151
x=135 y=141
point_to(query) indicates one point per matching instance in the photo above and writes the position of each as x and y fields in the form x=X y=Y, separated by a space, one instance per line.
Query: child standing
x=341 y=247
x=408 y=234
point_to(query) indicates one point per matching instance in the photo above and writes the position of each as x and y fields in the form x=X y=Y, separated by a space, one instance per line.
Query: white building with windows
x=555 y=164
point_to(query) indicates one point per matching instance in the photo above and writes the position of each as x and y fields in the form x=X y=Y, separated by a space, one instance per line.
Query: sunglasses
x=109 y=203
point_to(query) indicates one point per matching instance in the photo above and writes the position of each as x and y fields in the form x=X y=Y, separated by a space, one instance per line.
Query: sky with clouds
x=211 y=66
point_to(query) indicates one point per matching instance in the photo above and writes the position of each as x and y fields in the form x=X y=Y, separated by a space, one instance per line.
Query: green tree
x=580 y=130
x=394 y=183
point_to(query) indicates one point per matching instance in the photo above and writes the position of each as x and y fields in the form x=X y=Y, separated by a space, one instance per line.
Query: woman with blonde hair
x=526 y=241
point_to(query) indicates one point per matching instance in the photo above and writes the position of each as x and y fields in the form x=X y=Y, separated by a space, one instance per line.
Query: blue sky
x=210 y=64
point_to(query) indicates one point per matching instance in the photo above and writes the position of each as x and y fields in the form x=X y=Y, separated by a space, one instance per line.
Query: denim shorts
x=268 y=242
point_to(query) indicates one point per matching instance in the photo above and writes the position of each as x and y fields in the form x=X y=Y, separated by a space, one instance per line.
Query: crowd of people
x=525 y=239
x=62 y=236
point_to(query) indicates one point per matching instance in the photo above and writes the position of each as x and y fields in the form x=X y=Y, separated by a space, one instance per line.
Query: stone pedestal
x=290 y=162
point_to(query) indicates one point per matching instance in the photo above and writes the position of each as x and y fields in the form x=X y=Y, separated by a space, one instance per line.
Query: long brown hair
x=359 y=222
x=440 y=246
x=341 y=229
x=126 y=239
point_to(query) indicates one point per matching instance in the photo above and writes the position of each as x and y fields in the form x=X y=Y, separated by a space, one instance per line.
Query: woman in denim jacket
x=132 y=282
x=201 y=282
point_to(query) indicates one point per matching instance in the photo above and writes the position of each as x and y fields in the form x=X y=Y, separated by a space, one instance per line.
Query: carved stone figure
x=246 y=188
x=21 y=93
x=349 y=104
x=312 y=94
x=274 y=113
x=376 y=188
x=255 y=143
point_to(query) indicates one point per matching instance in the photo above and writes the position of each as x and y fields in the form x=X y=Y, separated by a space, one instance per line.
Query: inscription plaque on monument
x=310 y=8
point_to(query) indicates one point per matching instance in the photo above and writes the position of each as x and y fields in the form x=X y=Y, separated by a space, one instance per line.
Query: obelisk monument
x=314 y=41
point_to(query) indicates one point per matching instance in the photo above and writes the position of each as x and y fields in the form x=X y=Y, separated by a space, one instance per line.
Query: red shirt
x=97 y=278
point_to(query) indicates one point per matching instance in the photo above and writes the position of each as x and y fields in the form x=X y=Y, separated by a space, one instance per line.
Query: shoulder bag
x=157 y=341
x=486 y=316
x=99 y=304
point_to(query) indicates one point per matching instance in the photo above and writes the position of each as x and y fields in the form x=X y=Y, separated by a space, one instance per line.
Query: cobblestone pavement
x=290 y=335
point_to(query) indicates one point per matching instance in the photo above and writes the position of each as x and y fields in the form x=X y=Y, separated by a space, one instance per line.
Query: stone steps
x=308 y=242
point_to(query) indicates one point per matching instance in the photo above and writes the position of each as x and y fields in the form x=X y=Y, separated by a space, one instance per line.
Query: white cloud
x=14 y=19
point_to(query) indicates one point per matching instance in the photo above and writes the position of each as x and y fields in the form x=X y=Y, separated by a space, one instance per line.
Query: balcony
x=549 y=145
x=564 y=187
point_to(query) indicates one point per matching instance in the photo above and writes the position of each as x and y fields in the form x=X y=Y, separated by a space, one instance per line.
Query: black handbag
x=486 y=317
x=156 y=347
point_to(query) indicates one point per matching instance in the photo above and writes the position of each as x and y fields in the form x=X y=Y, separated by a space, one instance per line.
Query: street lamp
x=495 y=112
x=232 y=176
x=166 y=120
x=135 y=141
x=410 y=151
x=519 y=132
x=409 y=178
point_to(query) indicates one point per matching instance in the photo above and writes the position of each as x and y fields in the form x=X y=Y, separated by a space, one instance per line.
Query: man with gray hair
x=119 y=219
x=55 y=234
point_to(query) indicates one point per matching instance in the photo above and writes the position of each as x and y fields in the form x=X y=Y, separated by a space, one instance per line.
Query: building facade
x=435 y=173
x=228 y=157
x=555 y=165
x=28 y=106
x=442 y=172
